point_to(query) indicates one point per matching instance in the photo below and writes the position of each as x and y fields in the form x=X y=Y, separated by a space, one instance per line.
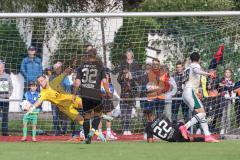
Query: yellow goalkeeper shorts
x=67 y=100
x=70 y=111
x=70 y=108
x=77 y=103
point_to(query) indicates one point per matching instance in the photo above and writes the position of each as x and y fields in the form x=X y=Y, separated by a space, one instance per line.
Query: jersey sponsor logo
x=88 y=85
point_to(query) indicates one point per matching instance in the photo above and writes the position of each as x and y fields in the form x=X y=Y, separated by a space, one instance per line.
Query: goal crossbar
x=122 y=14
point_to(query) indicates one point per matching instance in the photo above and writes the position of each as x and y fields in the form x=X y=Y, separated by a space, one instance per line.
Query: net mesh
x=147 y=38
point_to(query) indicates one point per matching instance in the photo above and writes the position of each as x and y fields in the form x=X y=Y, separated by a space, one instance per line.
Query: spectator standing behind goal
x=128 y=71
x=107 y=105
x=31 y=97
x=212 y=100
x=48 y=72
x=168 y=96
x=237 y=103
x=31 y=67
x=226 y=87
x=157 y=84
x=154 y=85
x=179 y=78
x=6 y=89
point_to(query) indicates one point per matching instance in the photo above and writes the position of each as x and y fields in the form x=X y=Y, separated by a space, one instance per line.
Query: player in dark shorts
x=163 y=129
x=89 y=76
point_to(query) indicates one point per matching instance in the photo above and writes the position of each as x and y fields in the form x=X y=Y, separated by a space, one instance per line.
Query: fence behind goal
x=169 y=37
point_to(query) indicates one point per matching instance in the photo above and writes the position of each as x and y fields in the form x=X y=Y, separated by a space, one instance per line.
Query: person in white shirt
x=192 y=83
x=168 y=96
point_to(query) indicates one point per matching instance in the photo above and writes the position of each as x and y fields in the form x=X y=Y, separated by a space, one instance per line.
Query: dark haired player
x=90 y=74
x=162 y=128
x=192 y=82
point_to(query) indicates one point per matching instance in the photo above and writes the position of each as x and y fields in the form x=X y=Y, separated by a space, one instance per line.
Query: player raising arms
x=192 y=83
x=51 y=92
x=90 y=74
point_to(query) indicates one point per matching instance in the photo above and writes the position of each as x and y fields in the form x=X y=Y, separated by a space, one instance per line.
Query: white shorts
x=191 y=99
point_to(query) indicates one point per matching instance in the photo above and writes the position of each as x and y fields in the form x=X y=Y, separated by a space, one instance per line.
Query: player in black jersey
x=162 y=128
x=89 y=76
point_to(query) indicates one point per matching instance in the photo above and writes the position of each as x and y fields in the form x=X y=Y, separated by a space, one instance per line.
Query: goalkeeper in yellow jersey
x=54 y=93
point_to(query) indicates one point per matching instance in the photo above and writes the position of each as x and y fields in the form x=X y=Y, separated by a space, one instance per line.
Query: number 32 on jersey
x=89 y=75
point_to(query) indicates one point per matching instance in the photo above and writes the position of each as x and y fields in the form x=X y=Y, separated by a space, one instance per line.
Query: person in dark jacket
x=127 y=79
x=6 y=89
x=31 y=66
x=236 y=89
x=226 y=91
x=176 y=104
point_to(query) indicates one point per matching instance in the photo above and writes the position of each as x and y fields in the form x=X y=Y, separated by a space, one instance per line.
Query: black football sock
x=86 y=127
x=95 y=122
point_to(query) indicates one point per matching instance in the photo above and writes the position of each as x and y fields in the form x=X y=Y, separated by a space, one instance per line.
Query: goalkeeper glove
x=31 y=109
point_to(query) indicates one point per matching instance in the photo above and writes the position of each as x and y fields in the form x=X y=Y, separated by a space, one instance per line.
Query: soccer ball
x=25 y=105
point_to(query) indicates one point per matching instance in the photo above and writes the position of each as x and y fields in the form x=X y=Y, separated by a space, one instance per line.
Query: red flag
x=219 y=54
x=217 y=58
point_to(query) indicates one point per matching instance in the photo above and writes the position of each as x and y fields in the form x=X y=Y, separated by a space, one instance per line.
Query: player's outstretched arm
x=201 y=72
x=35 y=105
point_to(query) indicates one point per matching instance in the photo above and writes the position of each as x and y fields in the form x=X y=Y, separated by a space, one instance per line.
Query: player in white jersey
x=192 y=83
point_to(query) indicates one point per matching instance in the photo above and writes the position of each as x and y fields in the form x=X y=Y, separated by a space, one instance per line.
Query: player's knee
x=200 y=110
x=97 y=114
x=201 y=115
x=87 y=116
x=79 y=118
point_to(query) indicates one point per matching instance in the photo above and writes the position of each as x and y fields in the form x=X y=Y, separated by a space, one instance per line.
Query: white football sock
x=196 y=118
x=204 y=126
x=109 y=131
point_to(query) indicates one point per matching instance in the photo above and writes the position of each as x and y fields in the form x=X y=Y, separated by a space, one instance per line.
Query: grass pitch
x=225 y=150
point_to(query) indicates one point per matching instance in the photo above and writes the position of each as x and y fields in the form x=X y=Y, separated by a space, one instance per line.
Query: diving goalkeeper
x=52 y=92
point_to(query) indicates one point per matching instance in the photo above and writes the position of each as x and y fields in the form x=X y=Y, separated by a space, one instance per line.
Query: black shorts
x=107 y=105
x=91 y=105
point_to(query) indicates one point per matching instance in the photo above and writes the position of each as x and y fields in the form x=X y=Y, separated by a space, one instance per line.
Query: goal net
x=153 y=40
